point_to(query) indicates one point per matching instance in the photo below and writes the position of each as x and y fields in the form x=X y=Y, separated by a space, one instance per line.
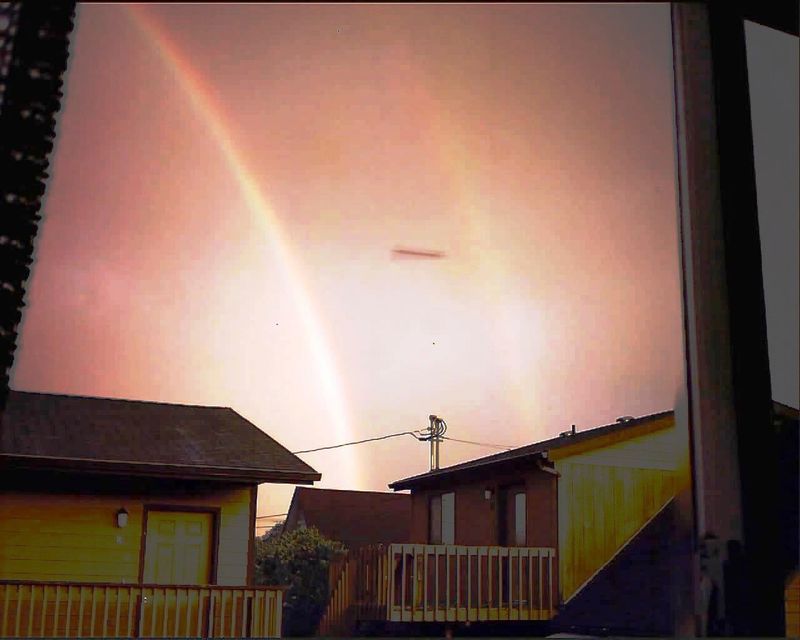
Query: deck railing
x=74 y=610
x=441 y=583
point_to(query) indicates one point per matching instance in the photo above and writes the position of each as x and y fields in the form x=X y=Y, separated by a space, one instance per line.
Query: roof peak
x=113 y=399
x=535 y=448
x=359 y=491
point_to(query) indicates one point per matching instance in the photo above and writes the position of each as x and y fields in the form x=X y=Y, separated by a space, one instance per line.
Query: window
x=520 y=516
x=442 y=519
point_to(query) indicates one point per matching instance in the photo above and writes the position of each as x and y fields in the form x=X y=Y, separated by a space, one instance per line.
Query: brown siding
x=419 y=516
x=476 y=517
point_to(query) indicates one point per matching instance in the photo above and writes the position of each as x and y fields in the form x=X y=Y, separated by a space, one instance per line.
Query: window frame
x=727 y=377
x=439 y=496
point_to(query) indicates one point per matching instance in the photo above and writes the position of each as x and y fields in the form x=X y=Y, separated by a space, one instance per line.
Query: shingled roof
x=540 y=449
x=355 y=518
x=61 y=432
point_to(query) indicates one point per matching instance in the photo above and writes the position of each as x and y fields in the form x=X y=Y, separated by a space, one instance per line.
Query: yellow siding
x=606 y=495
x=637 y=432
x=75 y=538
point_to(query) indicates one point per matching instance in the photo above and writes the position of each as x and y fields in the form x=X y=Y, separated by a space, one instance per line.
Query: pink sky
x=229 y=182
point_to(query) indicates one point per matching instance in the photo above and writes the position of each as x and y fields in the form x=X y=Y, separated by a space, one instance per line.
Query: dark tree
x=299 y=559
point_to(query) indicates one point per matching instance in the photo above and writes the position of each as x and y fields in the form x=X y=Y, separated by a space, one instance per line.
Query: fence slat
x=539 y=568
x=233 y=614
x=94 y=610
x=550 y=581
x=43 y=617
x=129 y=630
x=519 y=585
x=188 y=619
x=17 y=618
x=530 y=585
x=165 y=616
x=30 y=611
x=117 y=612
x=199 y=628
x=6 y=598
x=222 y=613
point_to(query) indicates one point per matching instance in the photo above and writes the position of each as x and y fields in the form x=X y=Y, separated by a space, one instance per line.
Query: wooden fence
x=440 y=583
x=75 y=610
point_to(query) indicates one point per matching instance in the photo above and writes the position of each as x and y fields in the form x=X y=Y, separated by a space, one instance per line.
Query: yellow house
x=124 y=518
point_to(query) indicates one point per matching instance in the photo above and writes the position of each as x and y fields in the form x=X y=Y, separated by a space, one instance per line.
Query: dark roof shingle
x=103 y=434
x=355 y=518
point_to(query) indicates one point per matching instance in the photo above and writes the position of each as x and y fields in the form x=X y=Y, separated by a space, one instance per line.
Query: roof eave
x=156 y=470
x=540 y=449
x=415 y=482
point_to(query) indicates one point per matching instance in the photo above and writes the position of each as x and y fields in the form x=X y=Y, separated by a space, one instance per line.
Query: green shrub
x=299 y=559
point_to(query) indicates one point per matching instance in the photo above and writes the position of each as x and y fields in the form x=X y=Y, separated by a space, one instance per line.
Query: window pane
x=774 y=80
x=520 y=516
x=448 y=518
x=773 y=70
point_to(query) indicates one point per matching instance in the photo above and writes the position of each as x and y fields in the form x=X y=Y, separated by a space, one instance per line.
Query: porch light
x=487 y=494
x=122 y=518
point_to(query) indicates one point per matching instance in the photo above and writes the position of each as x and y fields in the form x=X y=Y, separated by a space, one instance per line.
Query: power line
x=273 y=515
x=480 y=444
x=416 y=434
x=347 y=444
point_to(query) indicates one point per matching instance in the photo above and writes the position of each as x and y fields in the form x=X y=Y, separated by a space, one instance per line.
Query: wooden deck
x=440 y=583
x=74 y=610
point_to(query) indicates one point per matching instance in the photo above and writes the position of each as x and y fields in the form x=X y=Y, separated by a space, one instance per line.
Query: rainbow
x=267 y=221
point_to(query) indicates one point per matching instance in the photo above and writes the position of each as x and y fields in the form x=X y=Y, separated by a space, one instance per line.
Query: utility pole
x=434 y=434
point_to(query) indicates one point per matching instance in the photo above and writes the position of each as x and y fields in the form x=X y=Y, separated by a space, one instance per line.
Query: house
x=354 y=518
x=508 y=538
x=122 y=518
x=577 y=533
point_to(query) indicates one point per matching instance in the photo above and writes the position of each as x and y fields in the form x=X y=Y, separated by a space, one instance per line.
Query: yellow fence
x=37 y=609
x=440 y=583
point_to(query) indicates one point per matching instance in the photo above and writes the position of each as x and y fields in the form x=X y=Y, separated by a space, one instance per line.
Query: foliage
x=299 y=559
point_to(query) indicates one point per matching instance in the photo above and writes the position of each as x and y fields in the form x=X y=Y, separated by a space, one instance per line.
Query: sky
x=230 y=180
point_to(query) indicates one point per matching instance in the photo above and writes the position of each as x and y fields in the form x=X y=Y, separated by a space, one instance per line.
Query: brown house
x=547 y=494
x=510 y=538
x=577 y=532
x=354 y=518
x=122 y=517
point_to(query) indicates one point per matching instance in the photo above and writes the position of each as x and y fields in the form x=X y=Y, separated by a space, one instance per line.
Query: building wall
x=607 y=495
x=74 y=537
x=476 y=519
